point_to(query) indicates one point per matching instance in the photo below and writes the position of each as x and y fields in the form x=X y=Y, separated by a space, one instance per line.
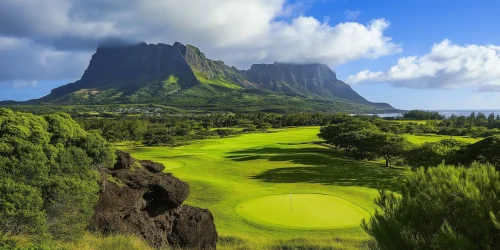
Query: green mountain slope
x=181 y=76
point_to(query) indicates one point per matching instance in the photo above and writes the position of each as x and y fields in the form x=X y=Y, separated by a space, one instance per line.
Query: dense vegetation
x=445 y=207
x=372 y=138
x=47 y=183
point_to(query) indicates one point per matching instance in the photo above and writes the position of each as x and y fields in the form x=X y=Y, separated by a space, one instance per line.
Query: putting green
x=307 y=211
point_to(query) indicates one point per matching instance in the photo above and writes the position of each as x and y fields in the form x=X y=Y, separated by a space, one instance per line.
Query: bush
x=226 y=132
x=442 y=208
x=264 y=127
x=47 y=181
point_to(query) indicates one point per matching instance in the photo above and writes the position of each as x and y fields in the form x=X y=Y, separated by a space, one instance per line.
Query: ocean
x=448 y=113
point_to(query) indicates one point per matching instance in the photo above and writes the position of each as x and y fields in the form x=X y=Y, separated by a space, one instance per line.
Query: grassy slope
x=223 y=173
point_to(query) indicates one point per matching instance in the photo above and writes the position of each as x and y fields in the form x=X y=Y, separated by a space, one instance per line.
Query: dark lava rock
x=147 y=202
x=123 y=160
x=154 y=167
x=194 y=228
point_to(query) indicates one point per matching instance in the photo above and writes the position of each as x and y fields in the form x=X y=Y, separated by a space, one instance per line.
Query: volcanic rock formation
x=138 y=198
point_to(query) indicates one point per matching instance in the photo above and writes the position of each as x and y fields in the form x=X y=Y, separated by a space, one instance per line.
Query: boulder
x=137 y=198
x=154 y=167
x=123 y=160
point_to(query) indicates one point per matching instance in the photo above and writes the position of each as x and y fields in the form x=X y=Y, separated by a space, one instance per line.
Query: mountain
x=181 y=76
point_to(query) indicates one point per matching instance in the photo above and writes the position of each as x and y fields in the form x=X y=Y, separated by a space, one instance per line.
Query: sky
x=413 y=54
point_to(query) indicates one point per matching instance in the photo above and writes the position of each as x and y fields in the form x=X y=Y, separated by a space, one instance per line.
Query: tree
x=391 y=146
x=476 y=131
x=340 y=134
x=47 y=175
x=330 y=133
x=442 y=208
x=361 y=144
x=264 y=126
x=431 y=154
x=226 y=132
x=159 y=136
x=485 y=151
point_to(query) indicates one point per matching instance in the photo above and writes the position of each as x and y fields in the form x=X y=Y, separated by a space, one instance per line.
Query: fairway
x=420 y=139
x=307 y=211
x=258 y=171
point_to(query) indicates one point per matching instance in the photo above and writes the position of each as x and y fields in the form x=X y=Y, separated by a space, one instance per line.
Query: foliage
x=485 y=151
x=364 y=140
x=423 y=115
x=431 y=154
x=391 y=146
x=442 y=208
x=226 y=132
x=46 y=174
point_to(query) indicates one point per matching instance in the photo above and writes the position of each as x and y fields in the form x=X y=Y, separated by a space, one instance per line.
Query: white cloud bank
x=54 y=39
x=446 y=66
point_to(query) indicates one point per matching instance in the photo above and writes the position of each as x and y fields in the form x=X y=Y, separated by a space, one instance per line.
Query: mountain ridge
x=174 y=74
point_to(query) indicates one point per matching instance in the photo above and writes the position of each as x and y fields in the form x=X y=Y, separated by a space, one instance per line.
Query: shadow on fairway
x=323 y=166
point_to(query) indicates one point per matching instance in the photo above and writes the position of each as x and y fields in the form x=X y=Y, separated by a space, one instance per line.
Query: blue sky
x=417 y=25
x=455 y=43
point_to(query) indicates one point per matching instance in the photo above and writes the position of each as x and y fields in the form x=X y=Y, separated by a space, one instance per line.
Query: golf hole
x=309 y=211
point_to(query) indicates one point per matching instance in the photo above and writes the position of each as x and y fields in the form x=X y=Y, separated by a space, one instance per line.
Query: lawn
x=255 y=171
x=419 y=139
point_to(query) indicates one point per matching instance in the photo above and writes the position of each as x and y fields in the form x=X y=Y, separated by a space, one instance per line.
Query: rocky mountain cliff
x=181 y=75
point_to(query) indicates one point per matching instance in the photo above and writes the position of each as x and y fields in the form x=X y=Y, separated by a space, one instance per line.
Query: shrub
x=442 y=208
x=47 y=181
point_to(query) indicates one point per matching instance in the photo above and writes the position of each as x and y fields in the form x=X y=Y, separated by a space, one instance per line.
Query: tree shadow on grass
x=320 y=165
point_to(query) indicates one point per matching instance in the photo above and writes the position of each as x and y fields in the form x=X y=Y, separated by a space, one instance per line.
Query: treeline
x=179 y=129
x=371 y=139
x=175 y=130
x=423 y=115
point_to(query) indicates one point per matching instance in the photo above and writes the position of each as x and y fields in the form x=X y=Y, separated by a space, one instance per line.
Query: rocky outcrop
x=137 y=198
x=312 y=80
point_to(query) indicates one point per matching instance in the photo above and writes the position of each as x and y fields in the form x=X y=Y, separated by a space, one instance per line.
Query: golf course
x=278 y=189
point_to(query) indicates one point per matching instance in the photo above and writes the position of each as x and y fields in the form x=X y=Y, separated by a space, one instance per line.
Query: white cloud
x=446 y=66
x=352 y=14
x=239 y=32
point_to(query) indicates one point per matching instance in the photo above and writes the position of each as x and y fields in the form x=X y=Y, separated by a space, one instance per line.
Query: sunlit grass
x=419 y=139
x=224 y=173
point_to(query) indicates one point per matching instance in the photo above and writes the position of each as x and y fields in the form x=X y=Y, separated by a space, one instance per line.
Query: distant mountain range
x=181 y=76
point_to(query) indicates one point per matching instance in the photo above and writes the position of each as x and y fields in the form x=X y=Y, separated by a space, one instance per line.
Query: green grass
x=219 y=81
x=303 y=211
x=224 y=173
x=419 y=139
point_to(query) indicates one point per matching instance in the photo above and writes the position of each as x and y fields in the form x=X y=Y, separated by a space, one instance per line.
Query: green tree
x=431 y=154
x=485 y=151
x=390 y=147
x=442 y=208
x=47 y=174
x=264 y=126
